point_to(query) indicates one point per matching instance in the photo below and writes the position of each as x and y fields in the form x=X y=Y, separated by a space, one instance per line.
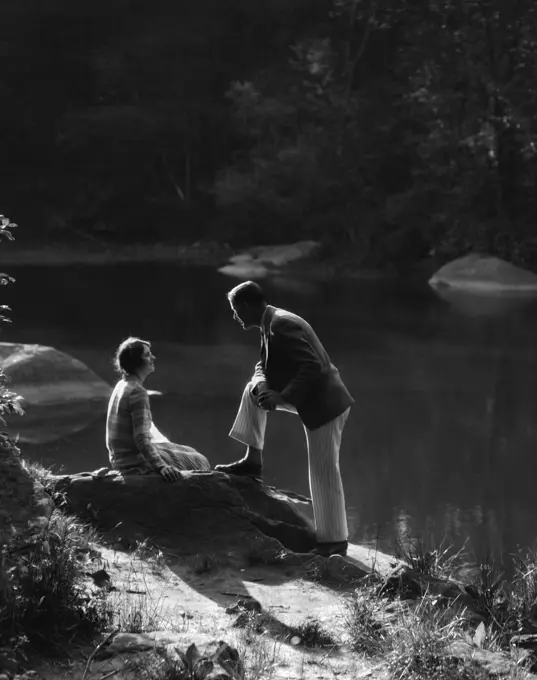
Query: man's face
x=242 y=313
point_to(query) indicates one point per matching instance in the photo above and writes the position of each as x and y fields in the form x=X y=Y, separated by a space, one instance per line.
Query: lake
x=442 y=440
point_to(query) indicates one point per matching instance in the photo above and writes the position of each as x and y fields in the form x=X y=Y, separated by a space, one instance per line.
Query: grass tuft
x=366 y=632
x=205 y=564
x=312 y=634
x=437 y=561
x=419 y=643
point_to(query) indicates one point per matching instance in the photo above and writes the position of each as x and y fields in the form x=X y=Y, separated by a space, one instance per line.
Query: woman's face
x=148 y=360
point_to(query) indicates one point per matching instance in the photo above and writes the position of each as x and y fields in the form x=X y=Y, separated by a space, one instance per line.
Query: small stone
x=249 y=605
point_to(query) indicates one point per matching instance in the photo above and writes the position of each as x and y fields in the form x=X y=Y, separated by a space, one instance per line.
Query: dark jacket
x=295 y=364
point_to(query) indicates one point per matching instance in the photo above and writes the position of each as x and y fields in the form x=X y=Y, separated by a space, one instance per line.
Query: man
x=294 y=374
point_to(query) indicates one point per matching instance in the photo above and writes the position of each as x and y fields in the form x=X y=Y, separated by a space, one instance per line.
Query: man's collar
x=262 y=321
x=266 y=318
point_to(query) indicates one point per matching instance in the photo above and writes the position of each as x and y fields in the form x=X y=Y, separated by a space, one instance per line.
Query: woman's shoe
x=241 y=467
x=329 y=549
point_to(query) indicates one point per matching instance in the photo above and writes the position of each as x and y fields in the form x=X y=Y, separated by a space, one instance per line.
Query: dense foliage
x=9 y=401
x=391 y=128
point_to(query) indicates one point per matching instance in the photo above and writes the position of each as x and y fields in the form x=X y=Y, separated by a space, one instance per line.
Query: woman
x=135 y=446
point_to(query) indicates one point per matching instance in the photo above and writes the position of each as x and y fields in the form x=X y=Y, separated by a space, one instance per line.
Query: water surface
x=440 y=443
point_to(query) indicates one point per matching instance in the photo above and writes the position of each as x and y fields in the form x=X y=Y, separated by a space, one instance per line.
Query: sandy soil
x=188 y=599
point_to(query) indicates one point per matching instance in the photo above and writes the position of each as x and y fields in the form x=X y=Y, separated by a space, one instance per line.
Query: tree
x=9 y=401
x=408 y=127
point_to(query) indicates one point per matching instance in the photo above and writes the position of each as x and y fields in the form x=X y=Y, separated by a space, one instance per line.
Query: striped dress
x=134 y=444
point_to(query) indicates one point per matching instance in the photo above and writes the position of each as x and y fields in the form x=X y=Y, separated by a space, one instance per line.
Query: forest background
x=387 y=129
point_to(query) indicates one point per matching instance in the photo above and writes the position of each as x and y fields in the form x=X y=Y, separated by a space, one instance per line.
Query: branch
x=365 y=40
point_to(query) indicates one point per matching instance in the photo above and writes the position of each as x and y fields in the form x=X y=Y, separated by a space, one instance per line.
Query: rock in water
x=43 y=375
x=484 y=274
x=61 y=395
x=260 y=261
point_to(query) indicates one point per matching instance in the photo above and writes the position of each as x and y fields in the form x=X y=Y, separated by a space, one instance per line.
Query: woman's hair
x=249 y=293
x=128 y=356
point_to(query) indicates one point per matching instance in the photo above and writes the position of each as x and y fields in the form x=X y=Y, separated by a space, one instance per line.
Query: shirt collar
x=262 y=322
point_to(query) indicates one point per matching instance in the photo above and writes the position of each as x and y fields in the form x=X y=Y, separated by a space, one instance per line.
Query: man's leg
x=325 y=480
x=249 y=428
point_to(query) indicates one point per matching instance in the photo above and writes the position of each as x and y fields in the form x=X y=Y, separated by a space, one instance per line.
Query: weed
x=523 y=593
x=367 y=635
x=205 y=564
x=260 y=657
x=419 y=644
x=40 y=473
x=45 y=598
x=312 y=634
x=439 y=562
x=136 y=607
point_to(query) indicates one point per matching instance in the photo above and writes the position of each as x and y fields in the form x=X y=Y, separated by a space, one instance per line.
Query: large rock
x=61 y=395
x=263 y=260
x=205 y=513
x=44 y=376
x=485 y=274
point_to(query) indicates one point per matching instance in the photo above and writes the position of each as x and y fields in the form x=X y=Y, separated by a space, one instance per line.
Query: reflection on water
x=441 y=441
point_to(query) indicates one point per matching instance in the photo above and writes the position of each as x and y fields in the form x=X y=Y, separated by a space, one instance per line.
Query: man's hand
x=269 y=400
x=170 y=474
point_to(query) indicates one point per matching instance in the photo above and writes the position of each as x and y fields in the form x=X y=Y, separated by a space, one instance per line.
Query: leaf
x=182 y=656
x=192 y=655
x=202 y=668
x=479 y=636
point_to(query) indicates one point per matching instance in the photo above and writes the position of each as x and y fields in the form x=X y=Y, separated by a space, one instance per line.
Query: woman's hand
x=170 y=473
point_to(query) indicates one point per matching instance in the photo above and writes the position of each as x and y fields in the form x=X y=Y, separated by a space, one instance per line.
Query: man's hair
x=128 y=357
x=249 y=293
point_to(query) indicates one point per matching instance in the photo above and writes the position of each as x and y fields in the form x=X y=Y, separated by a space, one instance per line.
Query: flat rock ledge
x=238 y=519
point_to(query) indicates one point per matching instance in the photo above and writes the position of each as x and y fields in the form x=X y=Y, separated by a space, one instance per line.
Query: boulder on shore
x=60 y=394
x=237 y=520
x=482 y=273
x=206 y=512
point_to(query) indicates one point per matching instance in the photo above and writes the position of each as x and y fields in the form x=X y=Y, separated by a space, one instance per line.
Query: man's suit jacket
x=294 y=363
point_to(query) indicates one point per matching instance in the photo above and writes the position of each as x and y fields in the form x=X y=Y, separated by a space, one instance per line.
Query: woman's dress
x=135 y=446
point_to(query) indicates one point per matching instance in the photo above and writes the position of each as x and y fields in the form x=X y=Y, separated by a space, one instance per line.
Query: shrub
x=46 y=601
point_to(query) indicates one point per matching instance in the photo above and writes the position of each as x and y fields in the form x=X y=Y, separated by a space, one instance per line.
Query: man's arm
x=293 y=340
x=259 y=374
x=259 y=378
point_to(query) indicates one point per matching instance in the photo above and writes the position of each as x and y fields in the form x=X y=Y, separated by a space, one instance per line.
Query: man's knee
x=250 y=392
x=250 y=389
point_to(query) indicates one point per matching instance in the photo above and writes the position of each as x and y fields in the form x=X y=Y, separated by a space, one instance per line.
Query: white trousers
x=326 y=486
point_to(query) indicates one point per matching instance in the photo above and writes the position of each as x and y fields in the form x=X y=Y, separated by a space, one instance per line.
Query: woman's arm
x=141 y=428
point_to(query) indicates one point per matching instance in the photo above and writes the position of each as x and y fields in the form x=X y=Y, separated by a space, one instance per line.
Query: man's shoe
x=241 y=467
x=329 y=549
